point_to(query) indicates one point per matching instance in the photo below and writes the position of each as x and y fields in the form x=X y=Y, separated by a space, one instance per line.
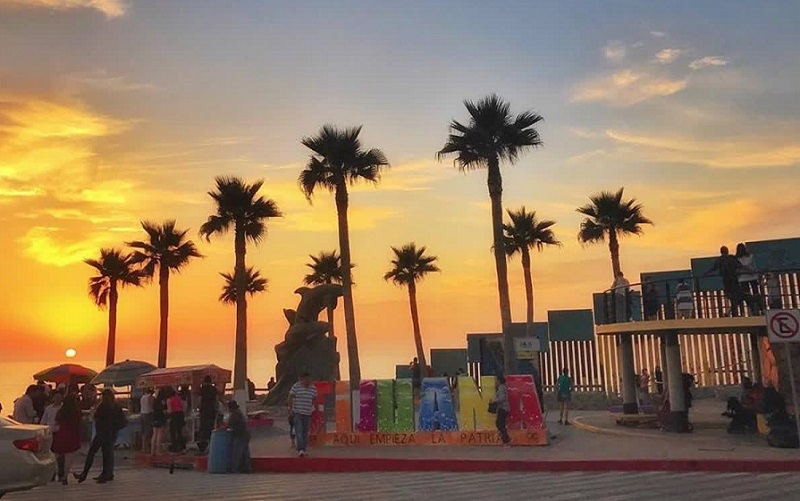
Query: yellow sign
x=526 y=347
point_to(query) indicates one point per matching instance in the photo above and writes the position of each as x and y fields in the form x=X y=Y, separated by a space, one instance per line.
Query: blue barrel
x=219 y=451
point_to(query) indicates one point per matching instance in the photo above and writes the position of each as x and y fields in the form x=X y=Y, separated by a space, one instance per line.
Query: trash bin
x=219 y=450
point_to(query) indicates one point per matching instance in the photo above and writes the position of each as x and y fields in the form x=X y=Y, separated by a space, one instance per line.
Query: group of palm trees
x=338 y=160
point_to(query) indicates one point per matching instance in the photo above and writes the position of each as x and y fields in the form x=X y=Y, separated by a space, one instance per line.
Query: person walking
x=146 y=418
x=239 y=461
x=109 y=419
x=564 y=395
x=301 y=406
x=159 y=422
x=177 y=420
x=503 y=408
x=209 y=396
x=67 y=437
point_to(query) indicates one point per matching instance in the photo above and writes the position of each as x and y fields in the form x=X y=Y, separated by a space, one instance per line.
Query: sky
x=117 y=111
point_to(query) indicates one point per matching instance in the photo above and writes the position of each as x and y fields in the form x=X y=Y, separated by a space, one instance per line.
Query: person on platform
x=503 y=408
x=564 y=395
x=749 y=280
x=240 y=440
x=109 y=419
x=621 y=288
x=146 y=418
x=67 y=437
x=271 y=384
x=251 y=389
x=209 y=398
x=24 y=411
x=301 y=406
x=650 y=302
x=159 y=421
x=177 y=420
x=728 y=268
x=684 y=302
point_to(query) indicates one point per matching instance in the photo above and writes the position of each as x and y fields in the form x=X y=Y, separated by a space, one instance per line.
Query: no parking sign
x=783 y=326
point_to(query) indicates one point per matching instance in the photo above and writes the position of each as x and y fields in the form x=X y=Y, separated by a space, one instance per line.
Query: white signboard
x=526 y=348
x=783 y=326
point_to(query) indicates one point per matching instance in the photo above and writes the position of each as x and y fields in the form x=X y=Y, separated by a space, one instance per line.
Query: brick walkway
x=155 y=484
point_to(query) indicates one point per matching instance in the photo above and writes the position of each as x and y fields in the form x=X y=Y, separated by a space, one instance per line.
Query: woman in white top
x=748 y=280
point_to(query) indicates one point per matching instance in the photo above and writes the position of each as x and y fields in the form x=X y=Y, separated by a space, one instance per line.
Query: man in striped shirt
x=301 y=405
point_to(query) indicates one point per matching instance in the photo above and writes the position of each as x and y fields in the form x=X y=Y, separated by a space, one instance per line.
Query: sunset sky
x=114 y=111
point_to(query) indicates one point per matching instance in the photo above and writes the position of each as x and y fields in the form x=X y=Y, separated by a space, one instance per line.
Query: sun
x=70 y=353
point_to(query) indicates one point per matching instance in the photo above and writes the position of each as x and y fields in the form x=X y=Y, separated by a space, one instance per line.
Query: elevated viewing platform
x=727 y=325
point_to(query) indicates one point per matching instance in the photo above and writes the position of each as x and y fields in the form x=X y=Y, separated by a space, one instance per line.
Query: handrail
x=693 y=278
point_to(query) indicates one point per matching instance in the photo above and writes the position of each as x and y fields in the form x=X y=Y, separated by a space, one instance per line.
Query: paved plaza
x=144 y=484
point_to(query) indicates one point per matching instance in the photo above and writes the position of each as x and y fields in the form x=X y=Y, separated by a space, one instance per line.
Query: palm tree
x=167 y=249
x=254 y=283
x=409 y=266
x=338 y=160
x=491 y=135
x=326 y=268
x=526 y=232
x=115 y=270
x=239 y=207
x=608 y=216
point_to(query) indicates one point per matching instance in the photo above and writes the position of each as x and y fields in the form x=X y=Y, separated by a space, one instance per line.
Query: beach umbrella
x=123 y=373
x=66 y=374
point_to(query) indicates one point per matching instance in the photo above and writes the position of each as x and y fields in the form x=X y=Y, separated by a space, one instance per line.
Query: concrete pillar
x=679 y=417
x=664 y=374
x=755 y=356
x=625 y=349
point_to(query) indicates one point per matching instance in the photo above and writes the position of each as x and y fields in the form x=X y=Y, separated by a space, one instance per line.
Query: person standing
x=728 y=268
x=301 y=406
x=564 y=395
x=239 y=461
x=24 y=411
x=109 y=419
x=416 y=376
x=146 y=418
x=748 y=280
x=159 y=421
x=177 y=420
x=67 y=437
x=644 y=386
x=659 y=376
x=49 y=416
x=684 y=302
x=271 y=384
x=650 y=302
x=503 y=408
x=621 y=287
x=209 y=397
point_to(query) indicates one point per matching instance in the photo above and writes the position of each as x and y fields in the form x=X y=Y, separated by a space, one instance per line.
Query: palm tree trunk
x=113 y=297
x=613 y=248
x=412 y=299
x=526 y=271
x=495 y=182
x=347 y=285
x=240 y=355
x=163 y=284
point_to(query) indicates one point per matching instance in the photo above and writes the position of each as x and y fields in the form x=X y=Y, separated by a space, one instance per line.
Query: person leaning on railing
x=621 y=288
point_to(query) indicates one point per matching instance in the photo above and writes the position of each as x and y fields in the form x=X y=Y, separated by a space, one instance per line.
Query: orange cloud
x=111 y=8
x=627 y=87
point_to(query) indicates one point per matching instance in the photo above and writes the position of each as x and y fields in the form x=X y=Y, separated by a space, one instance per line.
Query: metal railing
x=699 y=297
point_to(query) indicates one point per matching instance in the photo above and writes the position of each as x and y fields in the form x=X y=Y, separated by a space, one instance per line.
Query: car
x=25 y=457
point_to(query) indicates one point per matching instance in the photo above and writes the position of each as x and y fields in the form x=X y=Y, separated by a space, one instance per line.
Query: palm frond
x=254 y=283
x=410 y=265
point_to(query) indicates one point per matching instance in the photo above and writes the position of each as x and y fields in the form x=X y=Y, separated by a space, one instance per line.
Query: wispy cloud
x=705 y=62
x=101 y=80
x=657 y=34
x=615 y=51
x=111 y=8
x=666 y=56
x=627 y=87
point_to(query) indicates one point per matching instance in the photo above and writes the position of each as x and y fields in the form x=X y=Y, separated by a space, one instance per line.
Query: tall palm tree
x=116 y=270
x=609 y=216
x=492 y=135
x=167 y=249
x=326 y=268
x=526 y=232
x=409 y=266
x=337 y=161
x=254 y=283
x=239 y=207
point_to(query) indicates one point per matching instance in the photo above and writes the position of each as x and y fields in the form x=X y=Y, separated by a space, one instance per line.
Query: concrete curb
x=579 y=424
